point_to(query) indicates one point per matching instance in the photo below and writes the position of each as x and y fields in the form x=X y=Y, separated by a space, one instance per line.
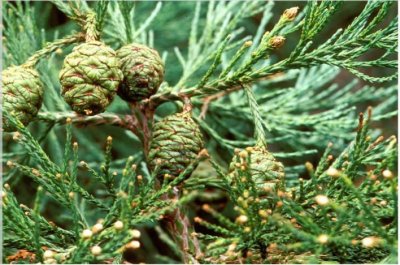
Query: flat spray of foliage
x=84 y=205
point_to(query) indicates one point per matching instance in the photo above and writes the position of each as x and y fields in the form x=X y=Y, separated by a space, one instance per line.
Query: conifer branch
x=97 y=194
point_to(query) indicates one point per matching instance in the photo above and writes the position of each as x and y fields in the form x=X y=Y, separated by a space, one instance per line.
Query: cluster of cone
x=90 y=77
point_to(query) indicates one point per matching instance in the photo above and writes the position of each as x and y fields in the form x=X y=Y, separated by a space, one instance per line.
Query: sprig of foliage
x=345 y=211
x=134 y=202
x=22 y=37
x=121 y=28
x=343 y=49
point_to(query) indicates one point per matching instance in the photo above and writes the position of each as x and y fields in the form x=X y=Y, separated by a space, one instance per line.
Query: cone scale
x=175 y=144
x=265 y=169
x=22 y=94
x=143 y=72
x=90 y=77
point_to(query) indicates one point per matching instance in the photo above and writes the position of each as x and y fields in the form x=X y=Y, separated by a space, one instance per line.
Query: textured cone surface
x=176 y=142
x=90 y=77
x=143 y=72
x=265 y=169
x=22 y=94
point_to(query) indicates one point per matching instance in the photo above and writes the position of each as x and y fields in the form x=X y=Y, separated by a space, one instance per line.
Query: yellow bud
x=370 y=242
x=87 y=234
x=135 y=233
x=281 y=194
x=333 y=172
x=96 y=250
x=134 y=244
x=323 y=239
x=243 y=154
x=277 y=42
x=242 y=219
x=263 y=213
x=16 y=136
x=309 y=166
x=249 y=149
x=118 y=225
x=248 y=43
x=322 y=200
x=97 y=228
x=291 y=13
x=204 y=153
x=48 y=254
x=206 y=207
x=197 y=219
x=59 y=51
x=10 y=163
x=387 y=174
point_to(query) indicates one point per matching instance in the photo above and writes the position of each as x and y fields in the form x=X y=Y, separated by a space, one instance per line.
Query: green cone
x=265 y=169
x=143 y=72
x=22 y=94
x=176 y=142
x=90 y=77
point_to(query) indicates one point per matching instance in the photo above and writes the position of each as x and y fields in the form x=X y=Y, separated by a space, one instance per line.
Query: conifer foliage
x=234 y=141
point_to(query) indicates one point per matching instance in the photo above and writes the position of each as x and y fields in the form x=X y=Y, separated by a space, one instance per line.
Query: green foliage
x=336 y=215
x=81 y=189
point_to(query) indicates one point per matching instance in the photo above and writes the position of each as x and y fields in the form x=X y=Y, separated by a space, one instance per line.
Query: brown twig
x=207 y=100
x=206 y=91
x=144 y=114
x=113 y=119
x=179 y=227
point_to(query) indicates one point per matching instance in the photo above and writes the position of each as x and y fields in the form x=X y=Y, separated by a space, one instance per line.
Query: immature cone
x=22 y=94
x=176 y=142
x=90 y=77
x=266 y=171
x=143 y=72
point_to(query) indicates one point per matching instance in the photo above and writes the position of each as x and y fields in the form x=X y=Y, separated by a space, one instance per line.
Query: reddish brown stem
x=179 y=226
